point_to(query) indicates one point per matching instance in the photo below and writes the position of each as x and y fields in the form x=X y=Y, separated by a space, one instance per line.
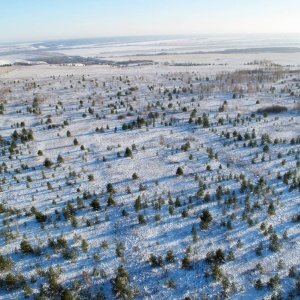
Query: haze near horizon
x=45 y=20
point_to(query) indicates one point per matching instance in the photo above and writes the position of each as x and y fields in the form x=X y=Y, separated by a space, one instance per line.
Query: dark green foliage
x=258 y=284
x=205 y=219
x=27 y=290
x=155 y=261
x=67 y=295
x=128 y=152
x=11 y=281
x=177 y=202
x=207 y=198
x=171 y=284
x=171 y=210
x=95 y=204
x=110 y=188
x=274 y=243
x=142 y=219
x=170 y=257
x=186 y=263
x=55 y=288
x=40 y=217
x=272 y=109
x=26 y=247
x=142 y=187
x=217 y=257
x=296 y=218
x=184 y=213
x=111 y=201
x=271 y=208
x=292 y=271
x=157 y=217
x=6 y=263
x=119 y=248
x=59 y=159
x=48 y=163
x=84 y=245
x=124 y=213
x=259 y=249
x=230 y=256
x=185 y=147
x=179 y=171
x=91 y=177
x=216 y=272
x=205 y=121
x=69 y=253
x=62 y=243
x=120 y=282
x=194 y=234
x=138 y=204
x=135 y=176
x=274 y=282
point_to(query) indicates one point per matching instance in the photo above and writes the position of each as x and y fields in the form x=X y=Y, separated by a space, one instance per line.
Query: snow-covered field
x=240 y=164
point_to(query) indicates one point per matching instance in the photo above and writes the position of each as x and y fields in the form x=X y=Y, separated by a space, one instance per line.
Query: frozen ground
x=93 y=103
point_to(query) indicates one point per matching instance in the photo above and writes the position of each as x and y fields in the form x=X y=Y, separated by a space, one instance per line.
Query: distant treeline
x=52 y=60
x=273 y=109
x=232 y=51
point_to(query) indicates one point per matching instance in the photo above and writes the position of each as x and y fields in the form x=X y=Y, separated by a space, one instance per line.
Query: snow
x=156 y=166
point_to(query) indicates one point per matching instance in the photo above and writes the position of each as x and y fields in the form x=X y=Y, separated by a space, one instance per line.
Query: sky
x=36 y=20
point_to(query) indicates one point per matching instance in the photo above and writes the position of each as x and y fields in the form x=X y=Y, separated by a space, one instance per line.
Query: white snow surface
x=157 y=156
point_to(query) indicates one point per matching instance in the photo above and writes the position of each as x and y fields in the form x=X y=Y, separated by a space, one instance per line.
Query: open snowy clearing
x=68 y=132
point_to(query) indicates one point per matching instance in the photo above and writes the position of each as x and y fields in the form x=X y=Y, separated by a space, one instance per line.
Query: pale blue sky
x=34 y=20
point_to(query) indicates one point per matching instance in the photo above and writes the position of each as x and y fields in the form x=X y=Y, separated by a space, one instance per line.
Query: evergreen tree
x=67 y=295
x=274 y=243
x=120 y=282
x=179 y=171
x=138 y=203
x=26 y=247
x=95 y=204
x=205 y=219
x=170 y=258
x=186 y=263
x=128 y=152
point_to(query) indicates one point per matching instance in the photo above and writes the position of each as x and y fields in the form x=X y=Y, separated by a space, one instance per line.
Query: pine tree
x=128 y=152
x=26 y=247
x=179 y=171
x=67 y=295
x=258 y=284
x=138 y=203
x=186 y=263
x=110 y=188
x=274 y=243
x=170 y=258
x=206 y=219
x=111 y=201
x=141 y=219
x=274 y=282
x=59 y=159
x=135 y=176
x=84 y=245
x=95 y=204
x=120 y=281
x=48 y=163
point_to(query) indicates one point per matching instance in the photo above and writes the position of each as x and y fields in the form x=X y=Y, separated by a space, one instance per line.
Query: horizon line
x=146 y=35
